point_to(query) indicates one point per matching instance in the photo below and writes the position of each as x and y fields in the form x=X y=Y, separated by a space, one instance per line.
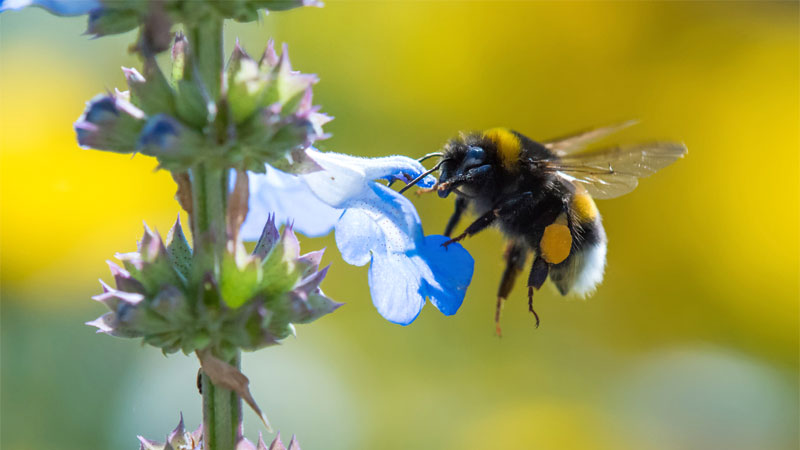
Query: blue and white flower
x=373 y=224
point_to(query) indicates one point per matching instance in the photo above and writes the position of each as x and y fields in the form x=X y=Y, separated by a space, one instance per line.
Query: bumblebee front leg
x=536 y=278
x=515 y=258
x=479 y=225
x=461 y=206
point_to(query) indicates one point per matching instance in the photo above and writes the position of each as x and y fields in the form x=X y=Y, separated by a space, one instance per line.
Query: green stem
x=222 y=415
x=205 y=43
x=222 y=408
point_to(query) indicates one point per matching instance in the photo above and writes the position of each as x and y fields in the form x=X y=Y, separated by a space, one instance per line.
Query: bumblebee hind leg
x=539 y=270
x=515 y=258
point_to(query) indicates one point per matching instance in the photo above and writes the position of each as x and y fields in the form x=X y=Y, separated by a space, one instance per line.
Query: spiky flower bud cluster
x=271 y=107
x=177 y=439
x=181 y=439
x=266 y=114
x=252 y=302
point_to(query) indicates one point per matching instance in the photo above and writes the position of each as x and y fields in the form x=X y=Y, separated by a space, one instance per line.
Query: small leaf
x=226 y=376
x=237 y=205
x=184 y=192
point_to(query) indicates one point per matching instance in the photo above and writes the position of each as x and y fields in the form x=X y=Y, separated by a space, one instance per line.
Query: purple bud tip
x=239 y=53
x=100 y=324
x=117 y=271
x=284 y=61
x=106 y=288
x=178 y=432
x=270 y=57
x=132 y=75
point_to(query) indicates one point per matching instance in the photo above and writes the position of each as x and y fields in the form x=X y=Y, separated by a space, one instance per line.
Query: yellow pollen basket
x=556 y=241
x=508 y=145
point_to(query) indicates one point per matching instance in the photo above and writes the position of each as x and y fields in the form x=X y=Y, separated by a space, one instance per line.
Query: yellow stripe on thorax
x=556 y=242
x=508 y=145
x=583 y=207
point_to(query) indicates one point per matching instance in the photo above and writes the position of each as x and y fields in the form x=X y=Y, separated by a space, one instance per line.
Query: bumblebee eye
x=475 y=157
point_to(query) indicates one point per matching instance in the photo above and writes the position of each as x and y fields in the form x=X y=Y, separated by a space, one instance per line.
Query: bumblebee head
x=455 y=167
x=456 y=164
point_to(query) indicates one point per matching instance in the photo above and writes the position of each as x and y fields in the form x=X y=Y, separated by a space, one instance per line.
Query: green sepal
x=279 y=270
x=151 y=92
x=179 y=57
x=156 y=268
x=192 y=104
x=286 y=87
x=240 y=277
x=246 y=85
x=180 y=253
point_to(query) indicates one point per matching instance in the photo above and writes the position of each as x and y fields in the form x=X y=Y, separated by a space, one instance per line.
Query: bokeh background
x=690 y=343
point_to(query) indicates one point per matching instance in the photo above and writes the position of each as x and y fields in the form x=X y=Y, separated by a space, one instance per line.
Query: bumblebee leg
x=536 y=278
x=515 y=258
x=479 y=225
x=504 y=208
x=461 y=206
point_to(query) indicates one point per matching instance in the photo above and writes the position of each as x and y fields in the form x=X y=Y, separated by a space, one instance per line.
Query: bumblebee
x=541 y=197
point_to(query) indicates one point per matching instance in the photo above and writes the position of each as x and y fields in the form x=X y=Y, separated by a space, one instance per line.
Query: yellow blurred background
x=690 y=343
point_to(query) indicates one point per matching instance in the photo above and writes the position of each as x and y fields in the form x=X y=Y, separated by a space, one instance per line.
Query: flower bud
x=110 y=123
x=176 y=146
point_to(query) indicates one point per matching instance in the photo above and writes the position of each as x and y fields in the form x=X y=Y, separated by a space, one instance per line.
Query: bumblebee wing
x=569 y=144
x=612 y=172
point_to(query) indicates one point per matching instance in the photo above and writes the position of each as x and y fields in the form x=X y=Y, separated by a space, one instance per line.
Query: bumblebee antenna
x=419 y=178
x=429 y=156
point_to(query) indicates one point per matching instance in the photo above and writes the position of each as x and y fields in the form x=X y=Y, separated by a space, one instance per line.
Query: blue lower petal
x=400 y=282
x=450 y=273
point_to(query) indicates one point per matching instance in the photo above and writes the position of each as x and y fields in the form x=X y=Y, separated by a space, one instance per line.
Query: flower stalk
x=222 y=408
x=222 y=414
